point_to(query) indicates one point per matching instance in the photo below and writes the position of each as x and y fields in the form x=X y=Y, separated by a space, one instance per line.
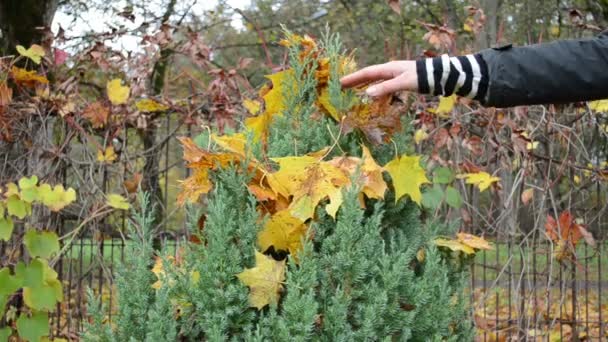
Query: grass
x=500 y=262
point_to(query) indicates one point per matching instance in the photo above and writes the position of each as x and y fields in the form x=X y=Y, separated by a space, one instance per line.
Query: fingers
x=388 y=87
x=371 y=74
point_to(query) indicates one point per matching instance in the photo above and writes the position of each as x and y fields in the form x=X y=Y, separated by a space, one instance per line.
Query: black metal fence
x=520 y=291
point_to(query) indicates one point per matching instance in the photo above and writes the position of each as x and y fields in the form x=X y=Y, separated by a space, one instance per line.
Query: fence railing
x=519 y=292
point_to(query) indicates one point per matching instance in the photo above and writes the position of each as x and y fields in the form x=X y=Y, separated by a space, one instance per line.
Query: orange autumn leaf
x=566 y=229
x=27 y=78
x=97 y=114
x=194 y=186
x=370 y=173
x=376 y=120
x=132 y=185
x=201 y=161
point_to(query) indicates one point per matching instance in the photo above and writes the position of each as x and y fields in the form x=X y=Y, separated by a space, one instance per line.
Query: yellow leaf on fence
x=27 y=78
x=454 y=245
x=108 y=156
x=464 y=242
x=117 y=93
x=483 y=180
x=474 y=241
x=265 y=280
x=116 y=201
x=599 y=106
x=35 y=52
x=150 y=106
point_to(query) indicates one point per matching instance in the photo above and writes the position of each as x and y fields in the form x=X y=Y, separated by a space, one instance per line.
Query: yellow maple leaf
x=149 y=105
x=408 y=176
x=284 y=232
x=274 y=100
x=290 y=174
x=446 y=105
x=464 y=242
x=265 y=280
x=117 y=93
x=483 y=180
x=599 y=106
x=309 y=181
x=252 y=106
x=454 y=245
x=325 y=103
x=234 y=143
x=259 y=125
x=35 y=52
x=107 y=156
x=474 y=241
x=201 y=161
x=370 y=173
x=420 y=135
x=116 y=201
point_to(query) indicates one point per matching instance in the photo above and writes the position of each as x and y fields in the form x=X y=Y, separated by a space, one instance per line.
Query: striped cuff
x=464 y=75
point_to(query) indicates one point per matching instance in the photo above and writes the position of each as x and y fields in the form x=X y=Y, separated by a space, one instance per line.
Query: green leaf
x=443 y=175
x=8 y=283
x=32 y=275
x=6 y=228
x=33 y=328
x=3 y=299
x=41 y=298
x=41 y=244
x=432 y=197
x=16 y=207
x=452 y=197
x=29 y=190
x=5 y=333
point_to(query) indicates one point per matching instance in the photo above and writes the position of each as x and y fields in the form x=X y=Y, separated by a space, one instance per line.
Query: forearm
x=559 y=72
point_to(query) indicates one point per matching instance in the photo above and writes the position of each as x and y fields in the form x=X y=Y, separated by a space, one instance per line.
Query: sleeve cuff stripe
x=437 y=73
x=468 y=71
x=423 y=84
x=484 y=81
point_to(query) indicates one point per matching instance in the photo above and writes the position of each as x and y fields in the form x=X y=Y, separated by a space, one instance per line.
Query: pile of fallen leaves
x=548 y=314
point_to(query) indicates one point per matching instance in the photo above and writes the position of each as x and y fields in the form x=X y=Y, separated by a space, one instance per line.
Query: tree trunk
x=21 y=22
x=489 y=35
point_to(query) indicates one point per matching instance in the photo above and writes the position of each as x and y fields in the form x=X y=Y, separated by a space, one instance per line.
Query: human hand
x=396 y=76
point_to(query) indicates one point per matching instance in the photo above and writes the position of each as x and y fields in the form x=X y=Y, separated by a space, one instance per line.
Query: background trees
x=189 y=67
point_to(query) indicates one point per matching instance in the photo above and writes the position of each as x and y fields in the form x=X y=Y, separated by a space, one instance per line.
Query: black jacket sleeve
x=558 y=72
